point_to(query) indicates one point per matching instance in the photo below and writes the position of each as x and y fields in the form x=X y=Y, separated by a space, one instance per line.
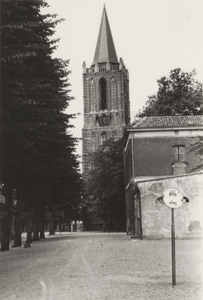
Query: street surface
x=101 y=266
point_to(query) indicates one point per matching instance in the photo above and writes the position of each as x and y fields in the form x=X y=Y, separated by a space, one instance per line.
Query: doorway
x=137 y=224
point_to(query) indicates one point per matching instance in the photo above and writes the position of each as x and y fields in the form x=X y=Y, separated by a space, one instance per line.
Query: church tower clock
x=106 y=95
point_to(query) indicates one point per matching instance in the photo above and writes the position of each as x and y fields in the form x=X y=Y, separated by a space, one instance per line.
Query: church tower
x=106 y=95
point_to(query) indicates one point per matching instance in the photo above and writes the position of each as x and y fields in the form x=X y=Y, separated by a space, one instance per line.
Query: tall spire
x=105 y=49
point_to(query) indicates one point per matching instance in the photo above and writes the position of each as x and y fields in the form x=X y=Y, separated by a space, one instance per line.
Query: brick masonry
x=153 y=156
x=117 y=112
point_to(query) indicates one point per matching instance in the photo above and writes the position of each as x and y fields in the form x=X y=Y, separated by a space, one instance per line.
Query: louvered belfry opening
x=102 y=87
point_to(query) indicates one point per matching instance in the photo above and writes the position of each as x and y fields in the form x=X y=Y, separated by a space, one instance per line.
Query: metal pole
x=173 y=248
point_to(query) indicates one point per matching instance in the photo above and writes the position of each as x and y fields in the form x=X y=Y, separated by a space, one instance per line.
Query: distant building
x=106 y=96
x=163 y=152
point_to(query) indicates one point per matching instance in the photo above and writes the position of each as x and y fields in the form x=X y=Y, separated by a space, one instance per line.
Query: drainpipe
x=132 y=146
x=133 y=175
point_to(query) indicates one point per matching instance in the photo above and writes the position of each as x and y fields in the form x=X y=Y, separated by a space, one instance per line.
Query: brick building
x=163 y=152
x=106 y=95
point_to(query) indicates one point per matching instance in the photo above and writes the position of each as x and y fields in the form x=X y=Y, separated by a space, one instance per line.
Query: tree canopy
x=105 y=192
x=37 y=150
x=180 y=93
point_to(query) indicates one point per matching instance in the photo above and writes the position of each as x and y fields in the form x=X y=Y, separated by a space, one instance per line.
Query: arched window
x=94 y=141
x=94 y=135
x=103 y=137
x=102 y=90
x=126 y=104
x=115 y=135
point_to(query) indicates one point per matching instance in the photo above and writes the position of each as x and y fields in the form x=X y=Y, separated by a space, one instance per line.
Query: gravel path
x=75 y=266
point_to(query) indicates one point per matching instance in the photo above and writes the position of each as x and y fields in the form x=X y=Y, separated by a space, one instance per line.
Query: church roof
x=170 y=121
x=105 y=49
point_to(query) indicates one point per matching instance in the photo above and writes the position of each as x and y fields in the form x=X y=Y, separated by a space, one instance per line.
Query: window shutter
x=175 y=153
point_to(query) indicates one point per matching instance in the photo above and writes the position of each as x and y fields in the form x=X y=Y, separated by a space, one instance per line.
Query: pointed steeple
x=105 y=49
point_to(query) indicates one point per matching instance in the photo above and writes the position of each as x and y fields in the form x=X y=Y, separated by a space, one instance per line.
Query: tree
x=105 y=192
x=34 y=125
x=179 y=93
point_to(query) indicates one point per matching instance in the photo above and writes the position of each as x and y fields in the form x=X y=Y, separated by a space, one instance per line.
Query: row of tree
x=39 y=169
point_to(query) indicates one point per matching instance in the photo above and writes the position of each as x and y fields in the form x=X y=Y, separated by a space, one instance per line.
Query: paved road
x=101 y=266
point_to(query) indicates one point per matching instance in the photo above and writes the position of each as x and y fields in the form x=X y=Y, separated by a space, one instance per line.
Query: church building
x=106 y=95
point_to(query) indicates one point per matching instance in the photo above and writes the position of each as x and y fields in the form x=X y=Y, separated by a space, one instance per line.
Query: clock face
x=173 y=198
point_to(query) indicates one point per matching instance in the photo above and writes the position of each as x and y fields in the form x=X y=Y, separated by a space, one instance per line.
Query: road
x=101 y=266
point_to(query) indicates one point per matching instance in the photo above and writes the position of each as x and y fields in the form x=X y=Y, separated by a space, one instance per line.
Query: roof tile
x=170 y=121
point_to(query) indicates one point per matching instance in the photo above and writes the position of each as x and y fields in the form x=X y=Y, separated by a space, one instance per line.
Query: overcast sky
x=152 y=36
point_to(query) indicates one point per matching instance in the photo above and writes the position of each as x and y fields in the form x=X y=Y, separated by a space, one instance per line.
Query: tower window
x=102 y=87
x=114 y=135
x=179 y=153
x=126 y=104
x=94 y=141
x=103 y=137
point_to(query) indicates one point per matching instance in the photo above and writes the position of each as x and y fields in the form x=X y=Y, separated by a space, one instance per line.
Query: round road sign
x=173 y=198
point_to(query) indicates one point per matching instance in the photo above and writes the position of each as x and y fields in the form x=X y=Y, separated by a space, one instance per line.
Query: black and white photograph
x=101 y=149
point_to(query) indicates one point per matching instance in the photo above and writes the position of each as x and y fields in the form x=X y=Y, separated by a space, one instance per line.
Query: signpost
x=173 y=199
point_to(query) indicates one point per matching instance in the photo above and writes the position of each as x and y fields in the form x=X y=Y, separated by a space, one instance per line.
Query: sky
x=153 y=37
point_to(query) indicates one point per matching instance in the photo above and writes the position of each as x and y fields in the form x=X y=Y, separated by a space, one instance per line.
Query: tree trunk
x=116 y=220
x=52 y=223
x=111 y=225
x=17 y=223
x=105 y=219
x=29 y=228
x=75 y=225
x=83 y=226
x=42 y=222
x=35 y=236
x=59 y=225
x=6 y=220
